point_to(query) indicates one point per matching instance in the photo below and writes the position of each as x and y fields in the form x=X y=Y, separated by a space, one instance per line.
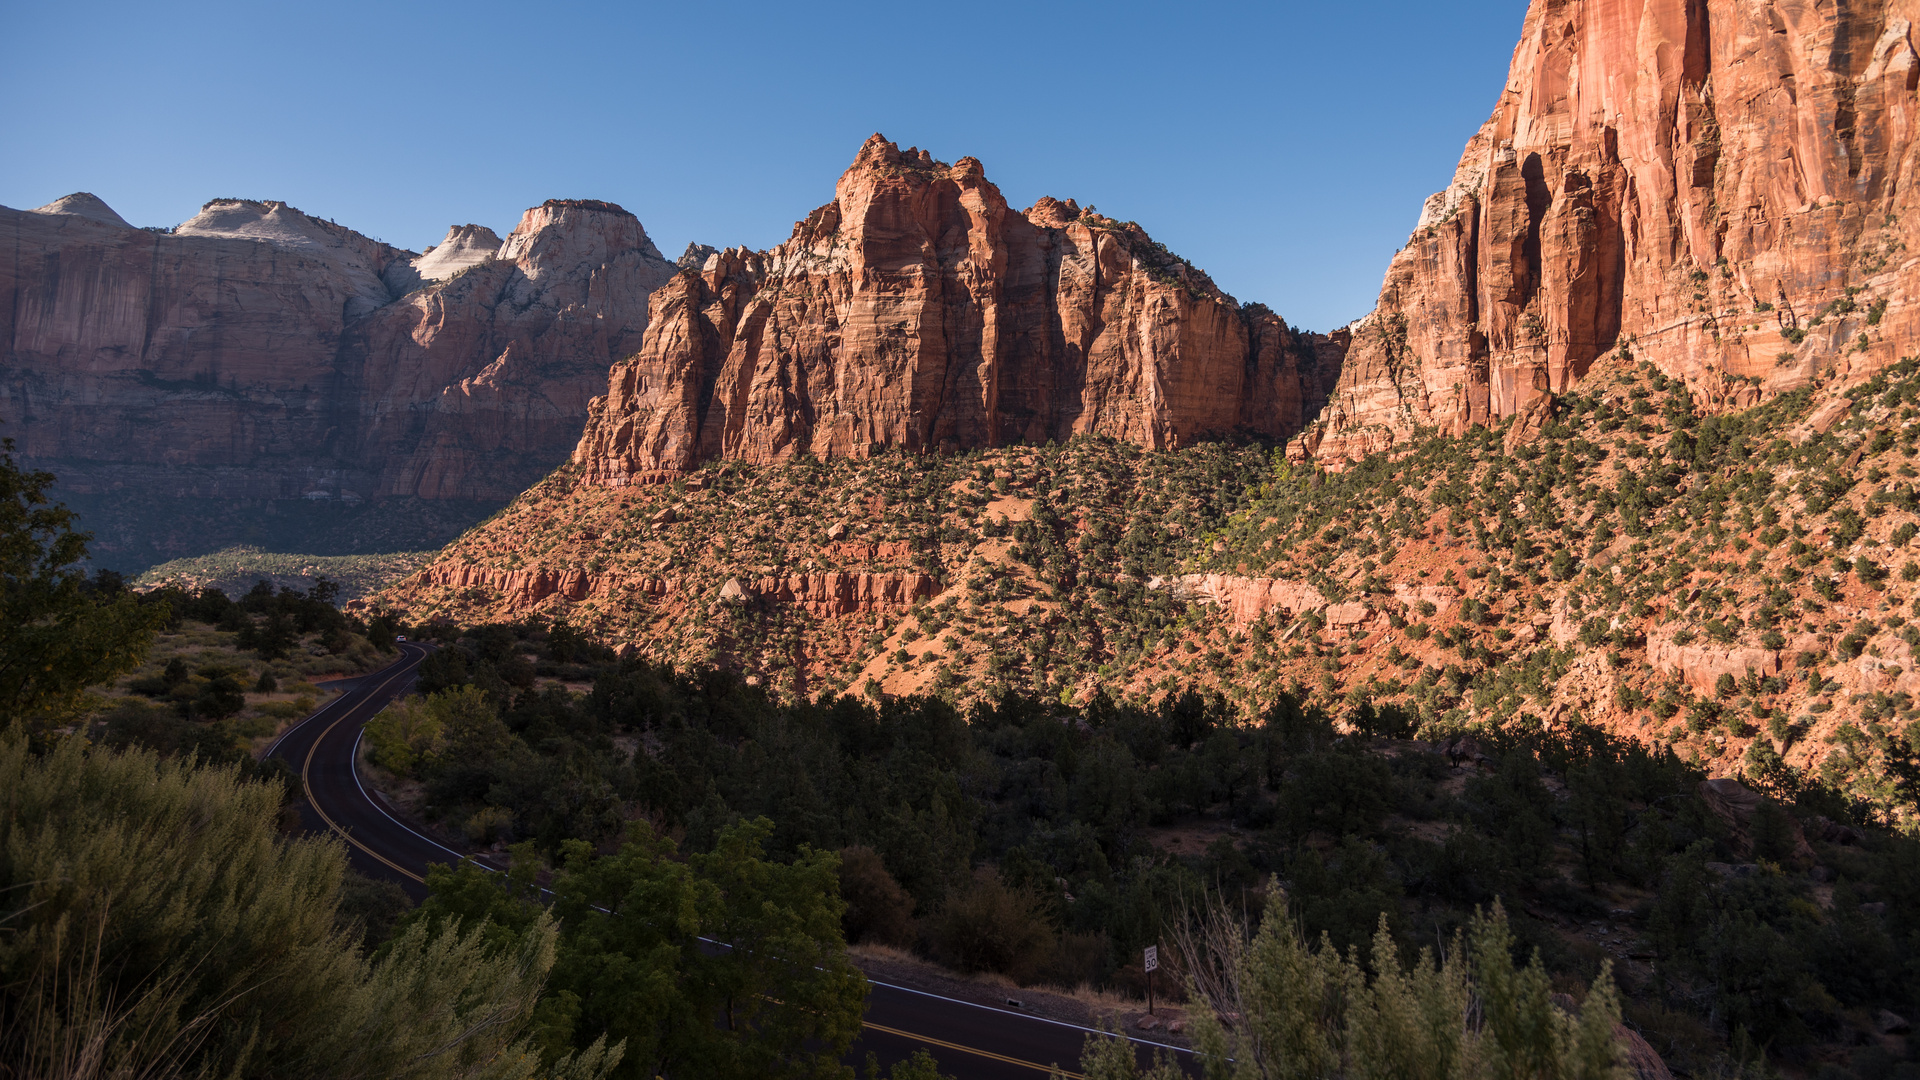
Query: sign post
x=1151 y=961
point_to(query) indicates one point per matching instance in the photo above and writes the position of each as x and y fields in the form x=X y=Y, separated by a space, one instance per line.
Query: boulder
x=1644 y=1061
x=1735 y=803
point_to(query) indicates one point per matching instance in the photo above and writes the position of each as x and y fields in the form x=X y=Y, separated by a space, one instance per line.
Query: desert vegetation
x=1047 y=843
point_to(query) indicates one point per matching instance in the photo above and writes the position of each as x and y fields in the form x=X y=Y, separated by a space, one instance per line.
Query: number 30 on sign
x=1151 y=960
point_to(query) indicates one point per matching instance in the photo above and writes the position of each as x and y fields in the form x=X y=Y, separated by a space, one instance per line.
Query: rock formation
x=258 y=352
x=475 y=385
x=466 y=246
x=1723 y=187
x=918 y=311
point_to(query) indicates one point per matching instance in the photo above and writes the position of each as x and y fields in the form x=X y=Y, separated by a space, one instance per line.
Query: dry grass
x=878 y=952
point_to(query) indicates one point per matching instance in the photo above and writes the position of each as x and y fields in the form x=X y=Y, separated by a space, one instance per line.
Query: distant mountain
x=255 y=353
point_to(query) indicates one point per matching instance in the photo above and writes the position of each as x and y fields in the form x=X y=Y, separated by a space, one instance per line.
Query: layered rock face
x=475 y=386
x=918 y=311
x=1723 y=187
x=255 y=352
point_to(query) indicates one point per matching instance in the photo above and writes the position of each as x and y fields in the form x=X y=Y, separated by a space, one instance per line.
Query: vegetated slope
x=1738 y=587
x=238 y=569
x=1724 y=185
x=1048 y=843
x=1021 y=568
x=225 y=676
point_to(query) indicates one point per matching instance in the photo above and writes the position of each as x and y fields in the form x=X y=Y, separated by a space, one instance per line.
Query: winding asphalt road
x=971 y=1041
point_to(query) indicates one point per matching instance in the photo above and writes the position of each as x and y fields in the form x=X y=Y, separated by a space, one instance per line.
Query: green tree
x=727 y=964
x=921 y=1066
x=991 y=926
x=413 y=729
x=1308 y=1013
x=157 y=925
x=783 y=978
x=56 y=636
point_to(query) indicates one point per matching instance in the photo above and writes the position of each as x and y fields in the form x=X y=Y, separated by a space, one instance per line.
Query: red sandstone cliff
x=257 y=352
x=1725 y=187
x=917 y=310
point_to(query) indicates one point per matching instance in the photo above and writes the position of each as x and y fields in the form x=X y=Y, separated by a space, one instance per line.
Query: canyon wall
x=1722 y=187
x=255 y=352
x=917 y=310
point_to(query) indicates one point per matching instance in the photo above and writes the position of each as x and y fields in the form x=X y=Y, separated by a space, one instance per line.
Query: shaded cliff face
x=476 y=386
x=1723 y=187
x=918 y=311
x=258 y=353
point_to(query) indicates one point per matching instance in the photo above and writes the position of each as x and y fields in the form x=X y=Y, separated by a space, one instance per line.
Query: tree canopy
x=58 y=634
x=726 y=964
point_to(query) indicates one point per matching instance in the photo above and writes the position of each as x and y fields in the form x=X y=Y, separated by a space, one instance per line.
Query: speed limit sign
x=1150 y=960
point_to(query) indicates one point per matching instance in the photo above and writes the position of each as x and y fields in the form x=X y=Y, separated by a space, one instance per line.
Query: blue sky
x=1284 y=147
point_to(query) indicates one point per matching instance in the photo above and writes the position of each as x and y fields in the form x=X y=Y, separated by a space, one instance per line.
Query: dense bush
x=157 y=926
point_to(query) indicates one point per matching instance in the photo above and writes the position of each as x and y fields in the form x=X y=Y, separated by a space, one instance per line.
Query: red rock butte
x=1724 y=188
x=918 y=311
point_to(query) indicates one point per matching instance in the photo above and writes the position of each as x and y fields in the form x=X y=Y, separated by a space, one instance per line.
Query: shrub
x=488 y=824
x=1561 y=566
x=158 y=918
x=987 y=926
x=1852 y=645
x=878 y=909
x=1312 y=1010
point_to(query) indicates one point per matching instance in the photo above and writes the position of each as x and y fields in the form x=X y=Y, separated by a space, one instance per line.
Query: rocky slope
x=257 y=353
x=1739 y=587
x=1723 y=187
x=918 y=311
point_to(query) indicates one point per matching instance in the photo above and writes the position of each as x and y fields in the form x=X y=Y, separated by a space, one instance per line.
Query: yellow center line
x=970 y=1050
x=306 y=783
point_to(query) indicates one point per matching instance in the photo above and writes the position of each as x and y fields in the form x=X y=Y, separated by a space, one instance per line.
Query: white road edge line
x=1030 y=1016
x=375 y=803
x=274 y=746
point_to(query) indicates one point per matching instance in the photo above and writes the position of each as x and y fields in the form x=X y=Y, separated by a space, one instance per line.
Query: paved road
x=972 y=1042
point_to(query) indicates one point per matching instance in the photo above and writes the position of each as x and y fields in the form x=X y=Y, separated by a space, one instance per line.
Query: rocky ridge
x=1723 y=188
x=918 y=311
